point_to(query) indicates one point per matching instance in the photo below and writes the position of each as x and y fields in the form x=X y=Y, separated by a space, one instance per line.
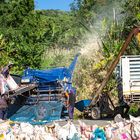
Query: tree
x=20 y=27
x=61 y=28
x=132 y=13
x=83 y=10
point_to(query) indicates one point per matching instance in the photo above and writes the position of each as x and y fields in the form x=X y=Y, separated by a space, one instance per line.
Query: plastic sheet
x=39 y=113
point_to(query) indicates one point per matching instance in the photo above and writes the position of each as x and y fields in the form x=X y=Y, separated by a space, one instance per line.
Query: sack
x=11 y=83
x=3 y=85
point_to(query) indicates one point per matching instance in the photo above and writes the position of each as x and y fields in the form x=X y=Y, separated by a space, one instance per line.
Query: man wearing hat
x=6 y=70
x=72 y=99
x=4 y=91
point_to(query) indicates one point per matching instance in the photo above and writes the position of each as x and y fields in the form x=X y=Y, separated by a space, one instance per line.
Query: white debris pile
x=119 y=129
x=67 y=132
x=24 y=131
x=123 y=129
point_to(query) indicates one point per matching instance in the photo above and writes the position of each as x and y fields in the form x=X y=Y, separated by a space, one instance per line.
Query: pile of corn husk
x=119 y=129
x=10 y=130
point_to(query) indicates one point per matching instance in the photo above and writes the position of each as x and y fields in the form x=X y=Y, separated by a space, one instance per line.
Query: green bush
x=134 y=109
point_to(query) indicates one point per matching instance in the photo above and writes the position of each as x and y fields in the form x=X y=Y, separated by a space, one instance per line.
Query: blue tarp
x=63 y=75
x=81 y=105
x=49 y=75
x=40 y=113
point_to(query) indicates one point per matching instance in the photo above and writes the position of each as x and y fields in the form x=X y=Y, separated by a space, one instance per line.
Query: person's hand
x=67 y=106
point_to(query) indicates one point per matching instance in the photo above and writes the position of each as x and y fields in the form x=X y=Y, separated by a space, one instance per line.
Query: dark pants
x=71 y=111
x=3 y=114
x=124 y=110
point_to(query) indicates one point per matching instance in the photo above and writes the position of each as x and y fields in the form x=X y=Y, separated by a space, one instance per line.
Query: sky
x=53 y=4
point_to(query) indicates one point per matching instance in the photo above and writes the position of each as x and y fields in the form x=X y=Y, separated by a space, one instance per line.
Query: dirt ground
x=101 y=122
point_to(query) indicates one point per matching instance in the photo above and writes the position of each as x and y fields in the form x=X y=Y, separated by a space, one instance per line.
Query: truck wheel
x=95 y=113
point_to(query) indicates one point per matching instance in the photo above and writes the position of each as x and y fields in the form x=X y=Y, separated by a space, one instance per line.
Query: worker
x=4 y=74
x=5 y=71
x=4 y=88
x=123 y=104
x=72 y=99
x=3 y=106
x=3 y=98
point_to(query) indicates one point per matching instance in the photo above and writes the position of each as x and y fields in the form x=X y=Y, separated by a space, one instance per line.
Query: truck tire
x=95 y=113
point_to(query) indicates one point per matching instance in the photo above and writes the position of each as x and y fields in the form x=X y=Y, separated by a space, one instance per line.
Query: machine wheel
x=95 y=113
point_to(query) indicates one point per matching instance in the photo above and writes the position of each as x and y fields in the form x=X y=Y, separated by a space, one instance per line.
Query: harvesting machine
x=46 y=101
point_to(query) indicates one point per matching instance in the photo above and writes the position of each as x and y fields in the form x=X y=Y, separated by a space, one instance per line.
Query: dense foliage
x=20 y=30
x=111 y=21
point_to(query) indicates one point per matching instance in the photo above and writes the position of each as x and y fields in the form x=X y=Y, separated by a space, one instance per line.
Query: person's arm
x=67 y=99
x=5 y=72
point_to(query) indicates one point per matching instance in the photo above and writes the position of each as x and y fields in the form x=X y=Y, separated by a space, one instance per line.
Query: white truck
x=129 y=72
